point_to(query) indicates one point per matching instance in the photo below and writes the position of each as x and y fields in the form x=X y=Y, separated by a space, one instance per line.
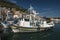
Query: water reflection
x=26 y=36
x=31 y=36
x=45 y=35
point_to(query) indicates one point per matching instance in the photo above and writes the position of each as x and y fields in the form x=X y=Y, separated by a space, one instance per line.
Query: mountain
x=7 y=4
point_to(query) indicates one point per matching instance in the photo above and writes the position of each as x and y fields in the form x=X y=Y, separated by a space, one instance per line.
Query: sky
x=50 y=8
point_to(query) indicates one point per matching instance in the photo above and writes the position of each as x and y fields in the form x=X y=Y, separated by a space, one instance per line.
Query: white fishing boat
x=26 y=24
x=23 y=25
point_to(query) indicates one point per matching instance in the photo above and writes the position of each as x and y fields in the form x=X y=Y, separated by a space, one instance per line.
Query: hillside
x=6 y=4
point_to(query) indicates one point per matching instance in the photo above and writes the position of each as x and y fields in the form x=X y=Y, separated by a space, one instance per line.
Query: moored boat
x=24 y=25
x=46 y=25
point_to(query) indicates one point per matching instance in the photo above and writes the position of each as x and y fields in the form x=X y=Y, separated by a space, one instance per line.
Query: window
x=26 y=19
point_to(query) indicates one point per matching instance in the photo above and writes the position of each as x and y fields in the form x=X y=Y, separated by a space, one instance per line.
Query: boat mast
x=32 y=13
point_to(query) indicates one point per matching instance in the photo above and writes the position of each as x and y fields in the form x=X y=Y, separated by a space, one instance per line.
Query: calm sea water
x=45 y=35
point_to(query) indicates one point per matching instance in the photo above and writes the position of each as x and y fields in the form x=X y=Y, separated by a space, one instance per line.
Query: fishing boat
x=24 y=25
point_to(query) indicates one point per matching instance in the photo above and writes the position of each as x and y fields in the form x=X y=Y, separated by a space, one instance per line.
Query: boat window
x=20 y=19
x=26 y=19
x=15 y=21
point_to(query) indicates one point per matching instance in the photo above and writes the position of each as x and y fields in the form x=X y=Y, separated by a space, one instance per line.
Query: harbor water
x=44 y=35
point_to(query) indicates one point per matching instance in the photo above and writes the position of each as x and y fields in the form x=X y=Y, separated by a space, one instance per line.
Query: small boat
x=44 y=24
x=5 y=24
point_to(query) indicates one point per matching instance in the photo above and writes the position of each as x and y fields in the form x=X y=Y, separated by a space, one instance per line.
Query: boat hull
x=27 y=29
x=24 y=30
